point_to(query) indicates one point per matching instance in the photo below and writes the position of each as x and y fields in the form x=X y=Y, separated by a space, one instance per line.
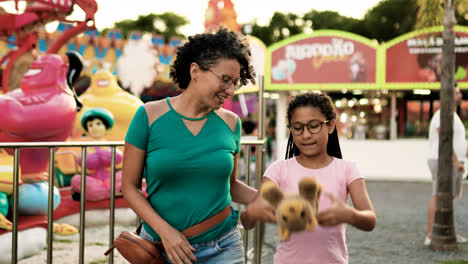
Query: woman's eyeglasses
x=314 y=127
x=226 y=81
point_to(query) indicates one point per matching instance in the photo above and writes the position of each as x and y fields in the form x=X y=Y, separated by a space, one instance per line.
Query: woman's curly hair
x=206 y=49
x=325 y=104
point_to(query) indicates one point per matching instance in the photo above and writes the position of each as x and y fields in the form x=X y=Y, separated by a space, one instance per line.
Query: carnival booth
x=371 y=84
x=411 y=67
x=326 y=60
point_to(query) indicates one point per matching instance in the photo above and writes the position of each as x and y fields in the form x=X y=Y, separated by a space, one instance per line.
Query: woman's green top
x=187 y=176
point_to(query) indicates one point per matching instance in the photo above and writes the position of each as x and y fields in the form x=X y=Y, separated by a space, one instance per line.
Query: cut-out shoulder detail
x=229 y=117
x=155 y=110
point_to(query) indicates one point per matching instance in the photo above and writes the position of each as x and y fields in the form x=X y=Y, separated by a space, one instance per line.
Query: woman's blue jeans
x=226 y=249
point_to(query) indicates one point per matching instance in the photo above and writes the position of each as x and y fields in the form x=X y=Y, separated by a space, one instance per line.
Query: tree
x=430 y=14
x=387 y=20
x=390 y=19
x=461 y=13
x=443 y=237
x=333 y=20
x=281 y=26
x=166 y=24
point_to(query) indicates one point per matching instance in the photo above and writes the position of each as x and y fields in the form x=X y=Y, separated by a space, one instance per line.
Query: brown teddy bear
x=294 y=212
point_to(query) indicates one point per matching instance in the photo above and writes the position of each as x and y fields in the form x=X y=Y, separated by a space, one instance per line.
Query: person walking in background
x=187 y=148
x=249 y=129
x=459 y=154
x=314 y=151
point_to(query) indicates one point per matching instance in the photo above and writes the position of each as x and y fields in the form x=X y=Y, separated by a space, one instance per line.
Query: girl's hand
x=258 y=210
x=338 y=213
x=177 y=247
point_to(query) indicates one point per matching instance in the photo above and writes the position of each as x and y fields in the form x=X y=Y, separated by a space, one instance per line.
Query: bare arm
x=176 y=245
x=132 y=172
x=257 y=210
x=241 y=193
x=362 y=216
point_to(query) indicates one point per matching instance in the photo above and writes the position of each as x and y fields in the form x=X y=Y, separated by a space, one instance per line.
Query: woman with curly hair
x=187 y=148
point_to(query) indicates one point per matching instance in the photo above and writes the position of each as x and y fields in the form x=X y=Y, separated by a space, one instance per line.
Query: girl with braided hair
x=314 y=151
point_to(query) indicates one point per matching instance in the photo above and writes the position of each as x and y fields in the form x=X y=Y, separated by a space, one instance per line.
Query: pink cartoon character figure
x=43 y=109
x=96 y=122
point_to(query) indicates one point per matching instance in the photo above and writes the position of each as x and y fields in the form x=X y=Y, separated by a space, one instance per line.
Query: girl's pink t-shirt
x=324 y=244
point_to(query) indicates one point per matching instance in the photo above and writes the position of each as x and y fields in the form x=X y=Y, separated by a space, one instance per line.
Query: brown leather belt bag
x=136 y=249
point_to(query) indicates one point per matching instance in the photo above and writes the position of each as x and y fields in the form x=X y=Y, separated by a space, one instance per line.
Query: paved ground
x=398 y=237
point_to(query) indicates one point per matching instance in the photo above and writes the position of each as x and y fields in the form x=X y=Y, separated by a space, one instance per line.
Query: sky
x=111 y=11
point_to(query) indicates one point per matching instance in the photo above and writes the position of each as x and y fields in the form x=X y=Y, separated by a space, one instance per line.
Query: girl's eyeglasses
x=314 y=127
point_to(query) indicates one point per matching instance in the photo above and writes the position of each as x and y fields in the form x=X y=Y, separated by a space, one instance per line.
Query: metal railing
x=52 y=146
x=259 y=157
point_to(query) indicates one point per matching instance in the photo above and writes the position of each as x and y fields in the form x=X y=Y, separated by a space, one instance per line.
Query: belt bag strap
x=208 y=223
x=204 y=226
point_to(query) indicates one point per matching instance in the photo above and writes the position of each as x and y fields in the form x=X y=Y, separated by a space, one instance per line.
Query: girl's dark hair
x=206 y=49
x=325 y=104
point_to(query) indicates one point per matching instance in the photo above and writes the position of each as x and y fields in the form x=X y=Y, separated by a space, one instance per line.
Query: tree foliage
x=390 y=19
x=331 y=20
x=431 y=13
x=386 y=20
x=281 y=26
x=166 y=24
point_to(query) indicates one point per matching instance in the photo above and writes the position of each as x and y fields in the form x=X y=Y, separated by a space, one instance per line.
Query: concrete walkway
x=399 y=186
x=395 y=160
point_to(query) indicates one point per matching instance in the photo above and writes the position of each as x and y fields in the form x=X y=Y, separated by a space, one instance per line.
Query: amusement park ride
x=37 y=14
x=38 y=104
x=29 y=109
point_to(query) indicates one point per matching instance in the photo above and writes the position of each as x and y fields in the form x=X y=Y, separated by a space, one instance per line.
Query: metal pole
x=82 y=204
x=14 y=238
x=259 y=167
x=59 y=144
x=112 y=204
x=281 y=123
x=393 y=125
x=247 y=178
x=50 y=209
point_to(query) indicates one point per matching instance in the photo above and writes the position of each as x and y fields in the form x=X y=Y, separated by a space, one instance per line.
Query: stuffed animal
x=294 y=212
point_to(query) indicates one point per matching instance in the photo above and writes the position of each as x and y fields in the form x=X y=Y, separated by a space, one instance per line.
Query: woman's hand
x=177 y=247
x=339 y=212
